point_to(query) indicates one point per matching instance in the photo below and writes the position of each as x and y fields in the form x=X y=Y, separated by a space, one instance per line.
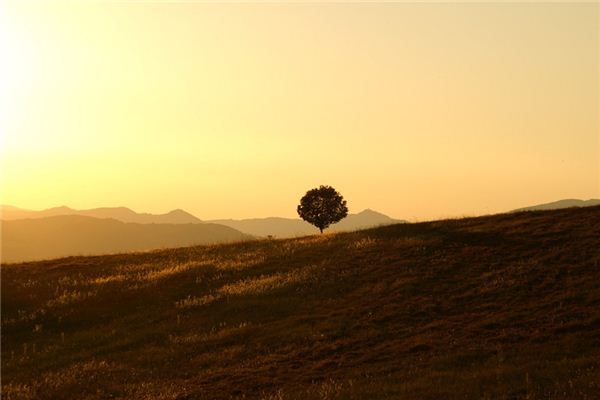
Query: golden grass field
x=496 y=307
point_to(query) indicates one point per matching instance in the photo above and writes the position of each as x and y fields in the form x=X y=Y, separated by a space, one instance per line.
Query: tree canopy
x=322 y=207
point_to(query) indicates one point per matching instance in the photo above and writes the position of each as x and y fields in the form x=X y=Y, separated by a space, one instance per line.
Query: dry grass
x=251 y=286
x=499 y=307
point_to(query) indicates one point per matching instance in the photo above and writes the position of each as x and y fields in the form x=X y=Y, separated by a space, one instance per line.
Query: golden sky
x=417 y=110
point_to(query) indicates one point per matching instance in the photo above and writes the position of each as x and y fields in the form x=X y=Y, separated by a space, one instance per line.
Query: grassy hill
x=505 y=306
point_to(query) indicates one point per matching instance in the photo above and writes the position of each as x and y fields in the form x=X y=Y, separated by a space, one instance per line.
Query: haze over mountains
x=122 y=214
x=292 y=227
x=68 y=235
x=274 y=226
x=62 y=231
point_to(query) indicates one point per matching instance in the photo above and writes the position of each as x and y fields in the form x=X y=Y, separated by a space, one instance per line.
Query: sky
x=416 y=110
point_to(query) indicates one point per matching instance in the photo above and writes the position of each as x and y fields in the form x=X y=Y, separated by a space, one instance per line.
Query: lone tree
x=322 y=207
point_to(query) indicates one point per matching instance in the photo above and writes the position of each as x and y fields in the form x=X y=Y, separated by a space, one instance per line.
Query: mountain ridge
x=269 y=226
x=559 y=204
x=123 y=214
x=279 y=227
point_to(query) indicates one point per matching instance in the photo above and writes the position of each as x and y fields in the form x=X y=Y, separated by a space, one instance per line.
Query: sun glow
x=235 y=110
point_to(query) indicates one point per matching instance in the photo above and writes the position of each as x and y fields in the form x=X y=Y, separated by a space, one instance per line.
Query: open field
x=497 y=307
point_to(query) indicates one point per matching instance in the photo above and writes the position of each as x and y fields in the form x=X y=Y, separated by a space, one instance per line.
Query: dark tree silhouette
x=322 y=207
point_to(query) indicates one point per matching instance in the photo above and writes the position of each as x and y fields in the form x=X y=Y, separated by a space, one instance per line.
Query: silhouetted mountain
x=275 y=226
x=122 y=214
x=65 y=235
x=291 y=227
x=561 y=204
x=364 y=219
x=278 y=227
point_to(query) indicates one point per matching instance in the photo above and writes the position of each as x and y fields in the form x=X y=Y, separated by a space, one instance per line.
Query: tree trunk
x=321 y=229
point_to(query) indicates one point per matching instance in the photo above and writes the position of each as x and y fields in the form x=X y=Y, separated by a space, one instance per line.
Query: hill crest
x=502 y=306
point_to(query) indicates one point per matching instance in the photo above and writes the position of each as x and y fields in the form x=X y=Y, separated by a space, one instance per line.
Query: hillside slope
x=51 y=237
x=495 y=307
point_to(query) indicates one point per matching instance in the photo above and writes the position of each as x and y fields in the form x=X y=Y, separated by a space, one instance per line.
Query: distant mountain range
x=291 y=227
x=277 y=227
x=567 y=203
x=122 y=214
x=62 y=231
x=68 y=235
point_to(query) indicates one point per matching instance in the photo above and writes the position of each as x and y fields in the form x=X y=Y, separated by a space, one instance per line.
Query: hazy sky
x=417 y=110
